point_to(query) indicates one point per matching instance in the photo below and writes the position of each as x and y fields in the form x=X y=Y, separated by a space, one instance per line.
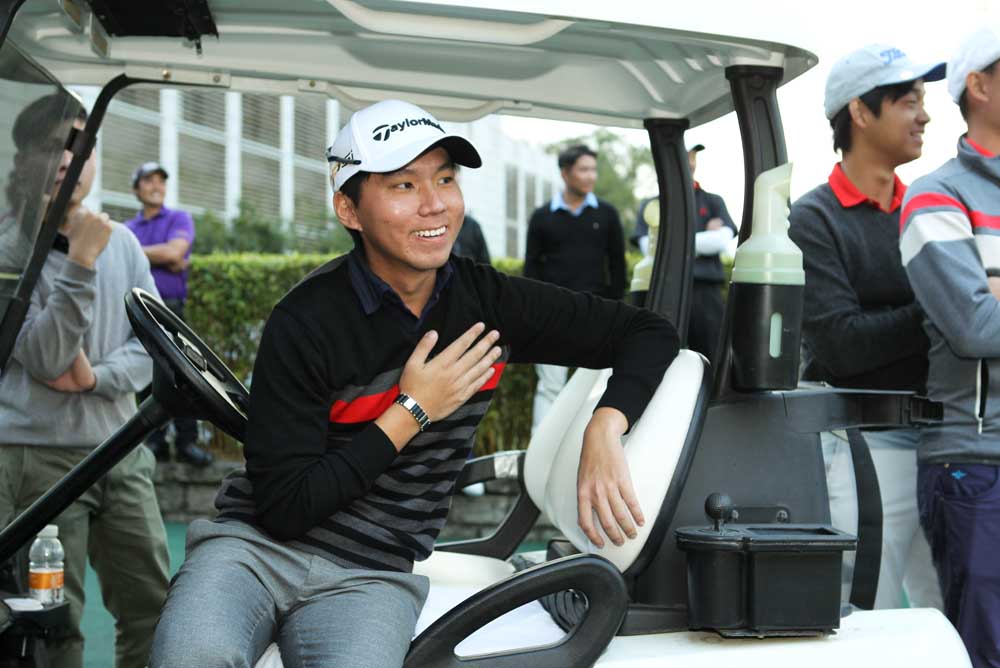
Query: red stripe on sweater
x=980 y=219
x=927 y=200
x=369 y=407
x=363 y=409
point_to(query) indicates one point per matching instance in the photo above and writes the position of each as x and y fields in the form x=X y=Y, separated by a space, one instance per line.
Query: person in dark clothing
x=862 y=327
x=371 y=378
x=470 y=242
x=575 y=241
x=713 y=232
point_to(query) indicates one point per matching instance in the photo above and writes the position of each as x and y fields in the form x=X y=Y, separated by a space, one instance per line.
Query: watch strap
x=418 y=413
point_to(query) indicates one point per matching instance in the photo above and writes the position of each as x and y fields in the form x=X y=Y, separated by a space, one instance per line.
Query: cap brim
x=935 y=72
x=696 y=148
x=460 y=150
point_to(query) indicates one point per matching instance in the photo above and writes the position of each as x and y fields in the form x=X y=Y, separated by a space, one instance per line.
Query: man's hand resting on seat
x=604 y=484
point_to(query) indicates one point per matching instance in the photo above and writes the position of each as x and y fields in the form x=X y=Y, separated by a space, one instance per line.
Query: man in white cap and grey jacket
x=371 y=378
x=950 y=245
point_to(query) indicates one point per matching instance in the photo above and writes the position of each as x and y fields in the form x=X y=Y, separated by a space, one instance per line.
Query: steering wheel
x=188 y=378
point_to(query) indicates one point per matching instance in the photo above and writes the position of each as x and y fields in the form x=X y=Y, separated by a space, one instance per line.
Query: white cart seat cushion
x=463 y=570
x=653 y=449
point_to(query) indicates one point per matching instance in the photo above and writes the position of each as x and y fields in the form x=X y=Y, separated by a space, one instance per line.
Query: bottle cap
x=50 y=531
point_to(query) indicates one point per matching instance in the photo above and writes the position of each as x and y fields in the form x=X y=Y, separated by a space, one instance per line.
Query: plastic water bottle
x=45 y=570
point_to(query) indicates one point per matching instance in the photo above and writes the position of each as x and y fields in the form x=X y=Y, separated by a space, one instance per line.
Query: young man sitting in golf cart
x=371 y=378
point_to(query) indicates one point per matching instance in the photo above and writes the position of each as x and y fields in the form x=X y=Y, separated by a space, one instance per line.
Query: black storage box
x=764 y=579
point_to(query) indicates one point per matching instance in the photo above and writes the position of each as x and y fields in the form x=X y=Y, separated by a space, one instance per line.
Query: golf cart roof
x=612 y=63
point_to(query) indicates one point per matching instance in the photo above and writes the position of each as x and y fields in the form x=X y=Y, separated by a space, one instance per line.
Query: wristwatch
x=410 y=404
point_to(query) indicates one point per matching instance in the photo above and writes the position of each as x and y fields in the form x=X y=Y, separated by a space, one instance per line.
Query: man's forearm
x=161 y=255
x=52 y=334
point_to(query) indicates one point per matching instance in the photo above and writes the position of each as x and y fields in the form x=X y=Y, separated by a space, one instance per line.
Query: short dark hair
x=873 y=99
x=963 y=100
x=41 y=118
x=352 y=191
x=568 y=156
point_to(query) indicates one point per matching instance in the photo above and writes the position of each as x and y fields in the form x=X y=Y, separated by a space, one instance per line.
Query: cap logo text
x=384 y=131
x=890 y=55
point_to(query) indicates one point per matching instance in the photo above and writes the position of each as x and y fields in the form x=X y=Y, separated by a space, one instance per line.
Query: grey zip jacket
x=950 y=244
x=74 y=308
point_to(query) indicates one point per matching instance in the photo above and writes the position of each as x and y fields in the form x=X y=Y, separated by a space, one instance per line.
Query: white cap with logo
x=977 y=52
x=871 y=67
x=388 y=135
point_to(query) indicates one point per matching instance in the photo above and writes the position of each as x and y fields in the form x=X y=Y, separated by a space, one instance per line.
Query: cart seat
x=658 y=449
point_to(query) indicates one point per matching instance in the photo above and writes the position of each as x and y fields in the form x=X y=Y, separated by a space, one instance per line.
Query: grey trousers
x=117 y=524
x=906 y=557
x=239 y=590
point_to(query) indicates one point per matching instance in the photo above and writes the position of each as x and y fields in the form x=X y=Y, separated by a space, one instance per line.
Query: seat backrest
x=658 y=449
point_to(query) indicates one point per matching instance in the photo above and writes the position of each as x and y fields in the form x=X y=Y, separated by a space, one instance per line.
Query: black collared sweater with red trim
x=322 y=477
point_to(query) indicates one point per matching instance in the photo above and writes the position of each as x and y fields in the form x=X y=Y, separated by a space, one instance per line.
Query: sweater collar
x=848 y=194
x=978 y=159
x=559 y=203
x=373 y=292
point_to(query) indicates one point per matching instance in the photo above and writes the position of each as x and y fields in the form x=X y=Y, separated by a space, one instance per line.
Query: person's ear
x=977 y=87
x=861 y=115
x=346 y=212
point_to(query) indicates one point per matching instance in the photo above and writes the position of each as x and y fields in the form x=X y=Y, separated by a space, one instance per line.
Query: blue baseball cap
x=871 y=67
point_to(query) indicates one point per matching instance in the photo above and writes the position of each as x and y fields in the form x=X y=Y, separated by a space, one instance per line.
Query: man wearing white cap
x=862 y=327
x=950 y=245
x=371 y=378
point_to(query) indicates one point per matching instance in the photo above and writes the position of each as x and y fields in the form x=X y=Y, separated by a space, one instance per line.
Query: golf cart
x=761 y=591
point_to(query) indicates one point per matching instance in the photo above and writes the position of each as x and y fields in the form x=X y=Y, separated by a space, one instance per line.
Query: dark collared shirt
x=373 y=292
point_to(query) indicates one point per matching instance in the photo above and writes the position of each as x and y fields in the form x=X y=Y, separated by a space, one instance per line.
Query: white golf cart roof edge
x=611 y=64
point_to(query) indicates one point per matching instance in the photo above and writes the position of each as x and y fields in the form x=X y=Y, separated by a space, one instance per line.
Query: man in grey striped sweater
x=950 y=246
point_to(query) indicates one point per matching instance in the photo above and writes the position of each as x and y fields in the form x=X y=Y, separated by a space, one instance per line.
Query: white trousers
x=551 y=380
x=906 y=556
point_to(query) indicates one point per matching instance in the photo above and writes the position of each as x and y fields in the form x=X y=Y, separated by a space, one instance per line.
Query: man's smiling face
x=408 y=218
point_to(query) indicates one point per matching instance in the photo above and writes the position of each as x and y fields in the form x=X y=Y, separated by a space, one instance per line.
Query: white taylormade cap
x=388 y=135
x=977 y=52
x=871 y=67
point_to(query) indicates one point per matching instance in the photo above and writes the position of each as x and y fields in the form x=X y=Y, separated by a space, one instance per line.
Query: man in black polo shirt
x=862 y=327
x=370 y=380
x=575 y=241
x=714 y=230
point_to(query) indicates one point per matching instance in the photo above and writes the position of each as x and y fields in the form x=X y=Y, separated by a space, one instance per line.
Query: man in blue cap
x=862 y=327
x=166 y=236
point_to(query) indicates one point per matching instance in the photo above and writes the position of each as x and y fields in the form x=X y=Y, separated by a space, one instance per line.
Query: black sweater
x=585 y=253
x=323 y=476
x=861 y=327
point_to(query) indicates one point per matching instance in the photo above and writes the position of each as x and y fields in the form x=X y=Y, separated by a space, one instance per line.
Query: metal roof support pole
x=671 y=280
x=7 y=10
x=754 y=90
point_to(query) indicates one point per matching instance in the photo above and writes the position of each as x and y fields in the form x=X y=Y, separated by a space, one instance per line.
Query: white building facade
x=224 y=148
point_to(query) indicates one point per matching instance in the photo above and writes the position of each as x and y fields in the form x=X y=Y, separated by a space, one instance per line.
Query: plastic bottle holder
x=764 y=579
